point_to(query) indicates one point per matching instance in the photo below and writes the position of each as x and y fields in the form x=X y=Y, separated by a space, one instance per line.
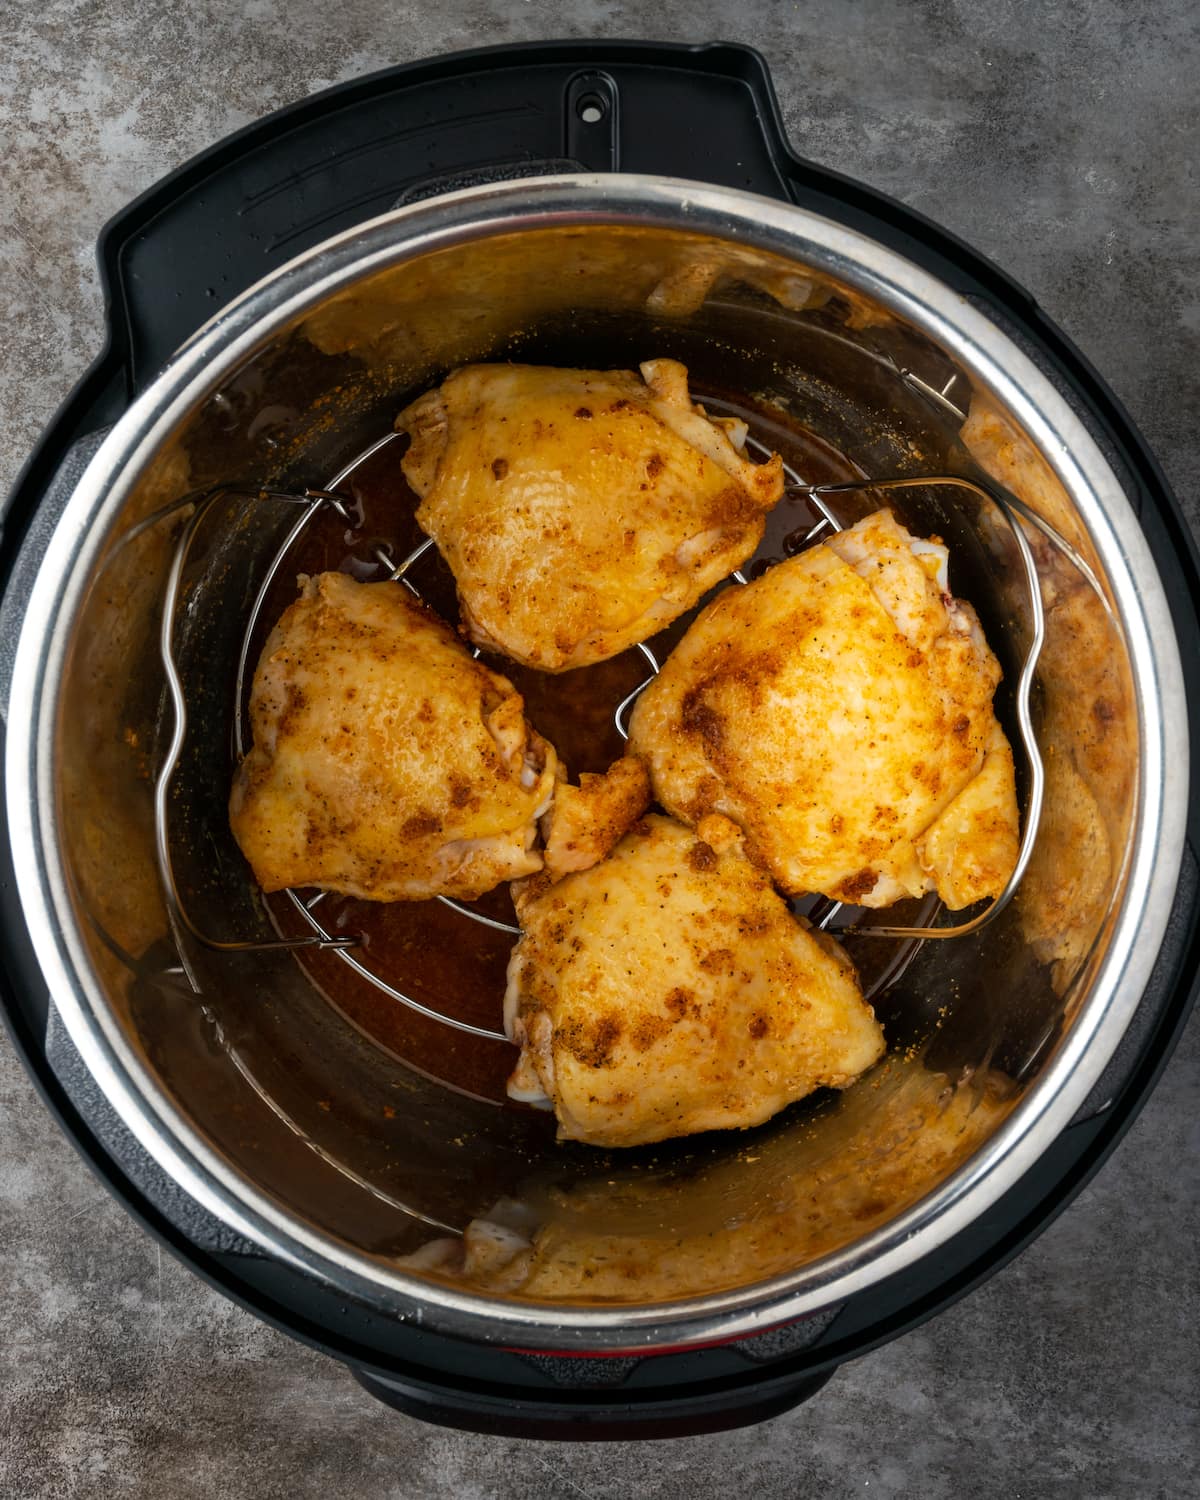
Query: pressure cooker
x=271 y=306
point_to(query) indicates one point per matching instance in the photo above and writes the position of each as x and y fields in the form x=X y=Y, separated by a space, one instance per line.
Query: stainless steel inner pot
x=283 y=1120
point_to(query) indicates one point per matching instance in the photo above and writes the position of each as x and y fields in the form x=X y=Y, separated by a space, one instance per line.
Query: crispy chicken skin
x=580 y=511
x=839 y=709
x=669 y=990
x=387 y=763
x=584 y=823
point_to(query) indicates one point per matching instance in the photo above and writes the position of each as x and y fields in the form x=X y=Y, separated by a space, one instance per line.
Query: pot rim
x=994 y=360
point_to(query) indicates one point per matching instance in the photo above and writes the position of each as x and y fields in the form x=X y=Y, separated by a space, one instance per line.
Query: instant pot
x=271 y=306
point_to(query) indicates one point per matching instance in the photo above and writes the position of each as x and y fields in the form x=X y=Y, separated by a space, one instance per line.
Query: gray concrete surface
x=1055 y=139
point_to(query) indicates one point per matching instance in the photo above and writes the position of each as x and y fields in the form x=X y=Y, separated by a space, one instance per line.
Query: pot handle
x=594 y=1417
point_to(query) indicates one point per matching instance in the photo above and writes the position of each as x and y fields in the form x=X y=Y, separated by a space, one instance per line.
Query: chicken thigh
x=839 y=709
x=580 y=511
x=387 y=764
x=669 y=990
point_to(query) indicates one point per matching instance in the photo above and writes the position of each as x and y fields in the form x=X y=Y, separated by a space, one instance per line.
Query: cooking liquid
x=427 y=950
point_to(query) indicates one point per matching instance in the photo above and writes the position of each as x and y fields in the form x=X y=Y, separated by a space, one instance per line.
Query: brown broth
x=427 y=950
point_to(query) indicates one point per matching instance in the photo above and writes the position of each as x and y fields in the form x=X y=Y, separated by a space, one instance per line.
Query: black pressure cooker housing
x=232 y=215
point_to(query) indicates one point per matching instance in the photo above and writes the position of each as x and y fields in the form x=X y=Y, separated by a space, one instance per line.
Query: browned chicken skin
x=839 y=709
x=585 y=823
x=580 y=511
x=669 y=990
x=387 y=763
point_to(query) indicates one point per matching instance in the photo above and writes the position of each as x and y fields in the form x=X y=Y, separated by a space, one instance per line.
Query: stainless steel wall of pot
x=224 y=1083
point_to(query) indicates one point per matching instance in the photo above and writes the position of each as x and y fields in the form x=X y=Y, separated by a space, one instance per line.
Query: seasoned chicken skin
x=669 y=990
x=839 y=709
x=585 y=822
x=387 y=763
x=579 y=510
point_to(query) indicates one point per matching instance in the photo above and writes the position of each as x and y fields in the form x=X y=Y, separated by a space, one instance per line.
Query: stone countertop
x=1052 y=138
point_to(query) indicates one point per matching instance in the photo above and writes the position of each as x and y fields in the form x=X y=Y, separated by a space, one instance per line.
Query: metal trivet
x=821 y=912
